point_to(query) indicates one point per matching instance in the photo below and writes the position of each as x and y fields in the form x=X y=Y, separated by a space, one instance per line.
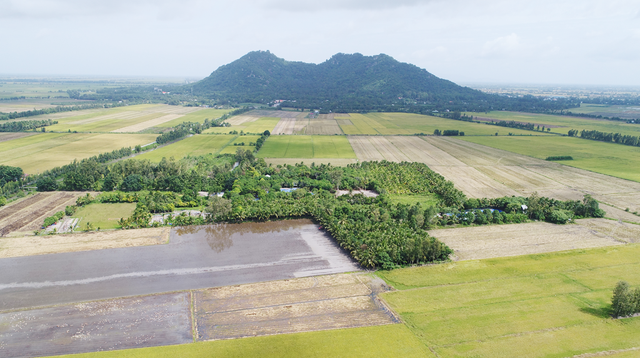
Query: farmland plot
x=324 y=124
x=481 y=242
x=47 y=150
x=28 y=214
x=95 y=240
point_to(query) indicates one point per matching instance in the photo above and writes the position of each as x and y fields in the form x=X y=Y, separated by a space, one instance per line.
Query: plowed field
x=28 y=214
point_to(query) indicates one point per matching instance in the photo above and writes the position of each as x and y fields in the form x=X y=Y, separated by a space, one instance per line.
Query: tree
x=218 y=207
x=133 y=182
x=46 y=184
x=336 y=177
x=622 y=300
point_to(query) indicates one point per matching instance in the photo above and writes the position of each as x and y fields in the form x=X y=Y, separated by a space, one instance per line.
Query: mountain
x=344 y=82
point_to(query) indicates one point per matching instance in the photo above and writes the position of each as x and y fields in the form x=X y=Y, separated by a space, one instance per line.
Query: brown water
x=196 y=257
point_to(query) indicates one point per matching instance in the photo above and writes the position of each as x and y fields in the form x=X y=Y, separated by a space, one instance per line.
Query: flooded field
x=274 y=307
x=196 y=257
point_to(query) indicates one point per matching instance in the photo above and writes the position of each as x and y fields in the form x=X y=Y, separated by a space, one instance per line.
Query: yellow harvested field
x=53 y=244
x=323 y=126
x=481 y=171
x=364 y=149
x=481 y=242
x=288 y=306
x=285 y=126
x=148 y=124
x=242 y=119
x=117 y=115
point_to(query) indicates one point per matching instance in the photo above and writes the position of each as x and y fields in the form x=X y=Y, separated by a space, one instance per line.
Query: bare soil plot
x=29 y=214
x=148 y=124
x=474 y=183
x=323 y=125
x=517 y=174
x=53 y=244
x=288 y=306
x=116 y=115
x=97 y=326
x=475 y=154
x=9 y=136
x=388 y=150
x=481 y=242
x=239 y=120
x=336 y=162
x=418 y=150
x=280 y=114
x=285 y=126
x=364 y=149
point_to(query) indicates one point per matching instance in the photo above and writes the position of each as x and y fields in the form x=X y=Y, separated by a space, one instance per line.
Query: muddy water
x=196 y=257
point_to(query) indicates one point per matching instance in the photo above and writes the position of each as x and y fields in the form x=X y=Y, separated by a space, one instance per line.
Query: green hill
x=346 y=82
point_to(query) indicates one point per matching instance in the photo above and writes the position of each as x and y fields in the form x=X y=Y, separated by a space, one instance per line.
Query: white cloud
x=502 y=46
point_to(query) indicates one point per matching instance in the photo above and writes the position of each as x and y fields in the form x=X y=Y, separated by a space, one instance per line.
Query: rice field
x=540 y=305
x=306 y=147
x=192 y=146
x=236 y=144
x=562 y=124
x=409 y=123
x=45 y=151
x=608 y=158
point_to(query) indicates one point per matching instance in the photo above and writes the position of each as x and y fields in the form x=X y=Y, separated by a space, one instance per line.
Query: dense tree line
x=19 y=126
x=610 y=137
x=9 y=173
x=559 y=157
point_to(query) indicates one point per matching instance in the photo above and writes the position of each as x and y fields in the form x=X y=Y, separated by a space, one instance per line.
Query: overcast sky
x=466 y=41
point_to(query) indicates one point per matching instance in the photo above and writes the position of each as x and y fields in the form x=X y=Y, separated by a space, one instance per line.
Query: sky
x=590 y=42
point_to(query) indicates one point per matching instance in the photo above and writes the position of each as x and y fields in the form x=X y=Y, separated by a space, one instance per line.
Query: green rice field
x=409 y=123
x=607 y=158
x=302 y=146
x=45 y=151
x=103 y=216
x=547 y=305
x=195 y=145
x=105 y=120
x=378 y=341
x=246 y=139
x=563 y=123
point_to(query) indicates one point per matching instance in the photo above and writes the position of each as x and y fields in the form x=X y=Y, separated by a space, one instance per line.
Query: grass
x=607 y=158
x=286 y=146
x=195 y=145
x=409 y=123
x=48 y=150
x=379 y=341
x=554 y=304
x=103 y=216
x=565 y=122
x=424 y=200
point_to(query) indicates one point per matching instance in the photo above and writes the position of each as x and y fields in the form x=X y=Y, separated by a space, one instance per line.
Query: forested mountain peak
x=344 y=82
